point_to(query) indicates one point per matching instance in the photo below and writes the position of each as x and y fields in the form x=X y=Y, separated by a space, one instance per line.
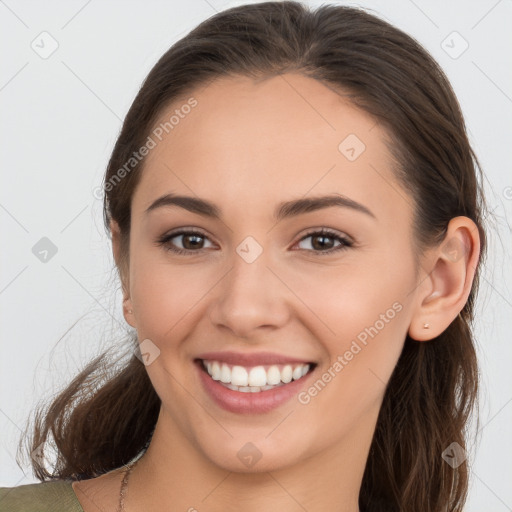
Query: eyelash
x=165 y=241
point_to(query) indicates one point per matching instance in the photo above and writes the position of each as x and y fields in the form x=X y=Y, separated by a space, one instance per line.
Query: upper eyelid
x=312 y=231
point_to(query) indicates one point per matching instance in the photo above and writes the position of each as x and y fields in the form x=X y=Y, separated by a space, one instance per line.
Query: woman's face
x=259 y=285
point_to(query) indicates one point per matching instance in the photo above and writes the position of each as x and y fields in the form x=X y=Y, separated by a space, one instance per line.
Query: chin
x=259 y=455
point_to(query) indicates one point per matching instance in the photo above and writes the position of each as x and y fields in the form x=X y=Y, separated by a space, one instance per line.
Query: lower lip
x=250 y=403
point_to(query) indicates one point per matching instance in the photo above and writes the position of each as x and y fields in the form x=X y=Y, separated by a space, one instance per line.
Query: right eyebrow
x=283 y=210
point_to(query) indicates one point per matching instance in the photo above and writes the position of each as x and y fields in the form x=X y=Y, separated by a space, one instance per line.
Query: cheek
x=345 y=301
x=164 y=295
x=362 y=313
x=369 y=318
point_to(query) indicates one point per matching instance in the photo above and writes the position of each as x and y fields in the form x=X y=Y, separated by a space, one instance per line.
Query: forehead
x=259 y=142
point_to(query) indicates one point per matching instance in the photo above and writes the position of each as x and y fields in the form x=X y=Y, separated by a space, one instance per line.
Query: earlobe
x=128 y=312
x=444 y=289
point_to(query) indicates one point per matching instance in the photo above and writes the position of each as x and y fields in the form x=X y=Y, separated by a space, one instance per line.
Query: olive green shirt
x=52 y=496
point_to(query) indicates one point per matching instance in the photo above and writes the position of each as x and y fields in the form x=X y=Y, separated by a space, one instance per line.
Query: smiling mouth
x=257 y=378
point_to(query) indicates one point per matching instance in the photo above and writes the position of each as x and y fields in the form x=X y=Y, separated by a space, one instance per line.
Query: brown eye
x=191 y=241
x=326 y=242
x=322 y=242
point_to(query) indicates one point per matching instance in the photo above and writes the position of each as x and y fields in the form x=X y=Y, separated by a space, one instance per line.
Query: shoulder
x=52 y=496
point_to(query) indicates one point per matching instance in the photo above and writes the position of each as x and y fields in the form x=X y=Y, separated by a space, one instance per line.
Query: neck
x=174 y=474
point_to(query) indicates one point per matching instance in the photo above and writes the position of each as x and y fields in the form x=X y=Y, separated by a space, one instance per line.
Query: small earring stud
x=130 y=311
x=426 y=326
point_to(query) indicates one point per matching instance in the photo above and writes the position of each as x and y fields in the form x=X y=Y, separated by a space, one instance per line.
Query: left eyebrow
x=283 y=210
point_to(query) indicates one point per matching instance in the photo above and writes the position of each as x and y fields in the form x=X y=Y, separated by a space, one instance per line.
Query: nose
x=250 y=298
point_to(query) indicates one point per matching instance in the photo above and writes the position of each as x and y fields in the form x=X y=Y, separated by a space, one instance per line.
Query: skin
x=247 y=146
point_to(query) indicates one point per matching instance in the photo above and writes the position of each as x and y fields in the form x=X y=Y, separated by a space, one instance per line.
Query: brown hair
x=100 y=421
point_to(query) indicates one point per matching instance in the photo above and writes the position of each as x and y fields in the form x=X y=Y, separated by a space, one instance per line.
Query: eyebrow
x=283 y=210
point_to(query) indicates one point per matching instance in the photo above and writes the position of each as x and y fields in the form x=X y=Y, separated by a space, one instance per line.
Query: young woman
x=296 y=217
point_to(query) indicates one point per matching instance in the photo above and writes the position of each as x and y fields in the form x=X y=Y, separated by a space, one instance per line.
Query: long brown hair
x=103 y=420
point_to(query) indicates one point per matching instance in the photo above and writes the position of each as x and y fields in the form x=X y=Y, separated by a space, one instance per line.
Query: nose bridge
x=248 y=279
x=249 y=268
x=249 y=295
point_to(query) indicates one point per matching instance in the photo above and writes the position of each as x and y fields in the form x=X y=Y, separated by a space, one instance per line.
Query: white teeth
x=215 y=371
x=258 y=376
x=273 y=375
x=297 y=373
x=239 y=376
x=255 y=379
x=286 y=374
x=225 y=374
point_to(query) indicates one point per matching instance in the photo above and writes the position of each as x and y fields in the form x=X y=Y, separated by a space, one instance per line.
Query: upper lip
x=248 y=359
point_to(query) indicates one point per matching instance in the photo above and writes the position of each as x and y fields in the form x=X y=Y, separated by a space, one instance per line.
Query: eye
x=324 y=240
x=191 y=241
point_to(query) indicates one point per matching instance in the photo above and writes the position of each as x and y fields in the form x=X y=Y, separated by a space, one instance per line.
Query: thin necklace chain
x=124 y=484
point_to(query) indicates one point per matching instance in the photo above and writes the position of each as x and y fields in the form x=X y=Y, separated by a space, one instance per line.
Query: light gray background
x=60 y=117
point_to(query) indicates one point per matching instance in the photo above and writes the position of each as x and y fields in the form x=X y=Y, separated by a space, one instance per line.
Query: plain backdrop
x=61 y=113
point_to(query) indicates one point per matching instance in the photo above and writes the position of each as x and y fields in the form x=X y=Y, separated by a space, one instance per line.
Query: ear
x=123 y=273
x=444 y=289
